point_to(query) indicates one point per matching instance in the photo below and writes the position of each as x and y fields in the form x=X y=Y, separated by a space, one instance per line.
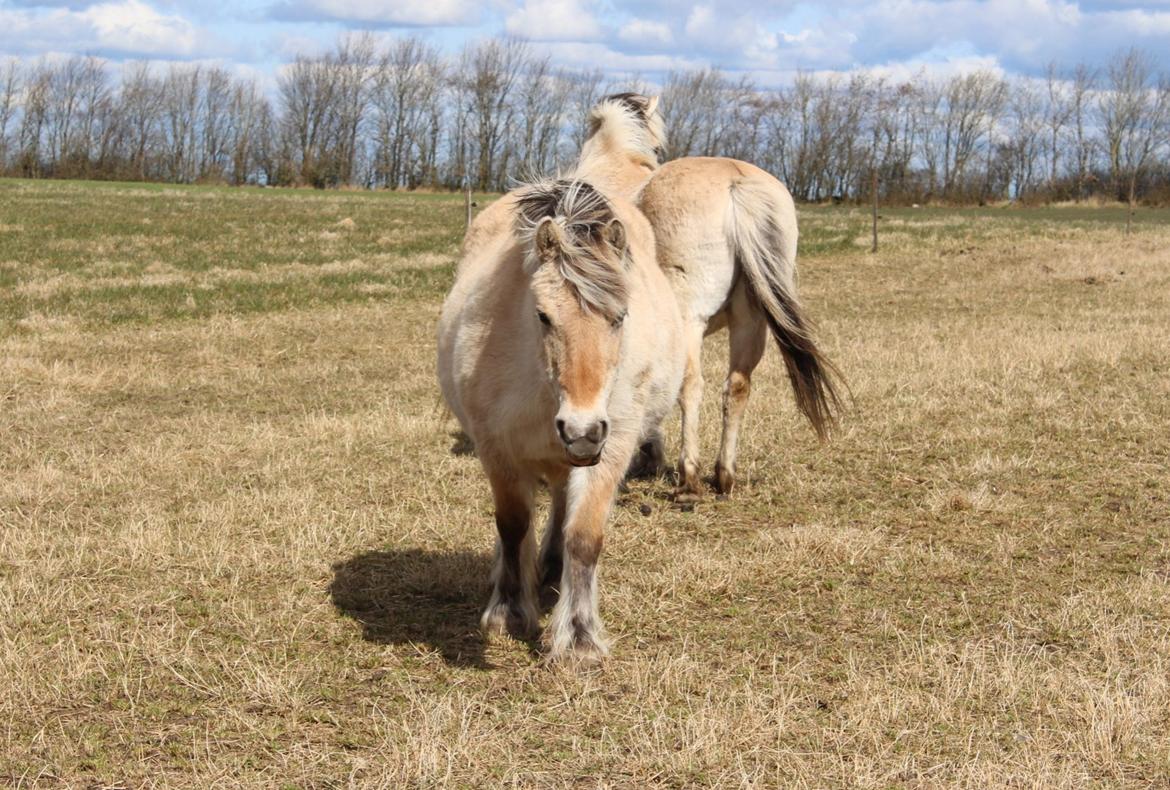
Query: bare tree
x=1083 y=84
x=10 y=85
x=699 y=109
x=931 y=109
x=487 y=84
x=973 y=104
x=427 y=130
x=584 y=91
x=543 y=98
x=353 y=64
x=140 y=103
x=34 y=119
x=77 y=90
x=246 y=114
x=402 y=115
x=1135 y=119
x=307 y=91
x=1026 y=124
x=902 y=128
x=1059 y=111
x=404 y=91
x=180 y=114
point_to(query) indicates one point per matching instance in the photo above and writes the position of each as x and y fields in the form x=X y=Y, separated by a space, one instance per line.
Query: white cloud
x=553 y=20
x=128 y=26
x=587 y=56
x=133 y=26
x=701 y=24
x=766 y=39
x=1019 y=35
x=1027 y=31
x=906 y=71
x=413 y=13
x=646 y=33
x=289 y=47
x=715 y=32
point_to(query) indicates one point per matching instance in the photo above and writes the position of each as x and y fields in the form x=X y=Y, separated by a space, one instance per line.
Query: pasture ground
x=241 y=545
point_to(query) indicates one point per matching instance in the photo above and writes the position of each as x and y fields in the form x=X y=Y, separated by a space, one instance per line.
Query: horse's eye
x=543 y=318
x=618 y=321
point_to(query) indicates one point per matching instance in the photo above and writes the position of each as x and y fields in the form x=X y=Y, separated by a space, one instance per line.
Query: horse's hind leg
x=689 y=400
x=650 y=459
x=748 y=332
x=512 y=606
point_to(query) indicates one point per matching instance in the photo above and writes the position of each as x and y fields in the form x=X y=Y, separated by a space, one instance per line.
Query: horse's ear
x=615 y=236
x=651 y=106
x=549 y=241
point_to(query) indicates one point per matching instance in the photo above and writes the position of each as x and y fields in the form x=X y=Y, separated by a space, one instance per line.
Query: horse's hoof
x=583 y=654
x=648 y=462
x=515 y=621
x=724 y=479
x=684 y=495
x=494 y=621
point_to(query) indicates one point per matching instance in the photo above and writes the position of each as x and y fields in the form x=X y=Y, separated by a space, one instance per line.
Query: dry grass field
x=241 y=544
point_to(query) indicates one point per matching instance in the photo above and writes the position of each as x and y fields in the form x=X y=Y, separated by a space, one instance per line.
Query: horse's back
x=693 y=205
x=701 y=185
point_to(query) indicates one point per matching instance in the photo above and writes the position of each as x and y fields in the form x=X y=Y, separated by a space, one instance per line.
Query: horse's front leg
x=512 y=607
x=575 y=630
x=552 y=546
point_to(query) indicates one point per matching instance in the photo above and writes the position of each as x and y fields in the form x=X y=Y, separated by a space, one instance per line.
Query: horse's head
x=635 y=119
x=576 y=256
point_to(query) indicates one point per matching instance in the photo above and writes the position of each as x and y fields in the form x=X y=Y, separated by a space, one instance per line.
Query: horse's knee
x=738 y=386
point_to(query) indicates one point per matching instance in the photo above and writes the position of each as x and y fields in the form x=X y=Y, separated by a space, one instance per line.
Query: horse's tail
x=761 y=227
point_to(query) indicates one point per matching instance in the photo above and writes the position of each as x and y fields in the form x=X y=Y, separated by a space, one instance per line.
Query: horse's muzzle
x=583 y=441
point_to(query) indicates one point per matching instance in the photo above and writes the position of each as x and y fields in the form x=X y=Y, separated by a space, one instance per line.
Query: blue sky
x=767 y=40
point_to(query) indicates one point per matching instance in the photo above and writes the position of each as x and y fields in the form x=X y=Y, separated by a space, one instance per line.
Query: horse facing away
x=726 y=237
x=622 y=149
x=557 y=353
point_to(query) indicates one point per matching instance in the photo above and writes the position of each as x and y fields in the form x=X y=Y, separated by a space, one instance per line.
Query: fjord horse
x=558 y=353
x=726 y=237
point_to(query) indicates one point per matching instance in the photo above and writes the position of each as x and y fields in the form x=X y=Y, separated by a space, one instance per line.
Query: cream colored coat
x=494 y=374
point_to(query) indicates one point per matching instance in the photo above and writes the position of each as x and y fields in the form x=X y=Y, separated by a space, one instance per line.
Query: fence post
x=873 y=188
x=467 y=200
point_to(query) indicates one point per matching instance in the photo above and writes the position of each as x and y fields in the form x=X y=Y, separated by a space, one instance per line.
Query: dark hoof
x=515 y=620
x=647 y=464
x=724 y=479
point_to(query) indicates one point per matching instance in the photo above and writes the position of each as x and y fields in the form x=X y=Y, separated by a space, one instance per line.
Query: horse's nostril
x=596 y=432
x=604 y=428
x=561 y=430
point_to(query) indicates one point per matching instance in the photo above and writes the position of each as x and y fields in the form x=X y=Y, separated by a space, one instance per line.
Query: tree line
x=401 y=115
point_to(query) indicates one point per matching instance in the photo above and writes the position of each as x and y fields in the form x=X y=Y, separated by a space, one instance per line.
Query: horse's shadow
x=412 y=596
